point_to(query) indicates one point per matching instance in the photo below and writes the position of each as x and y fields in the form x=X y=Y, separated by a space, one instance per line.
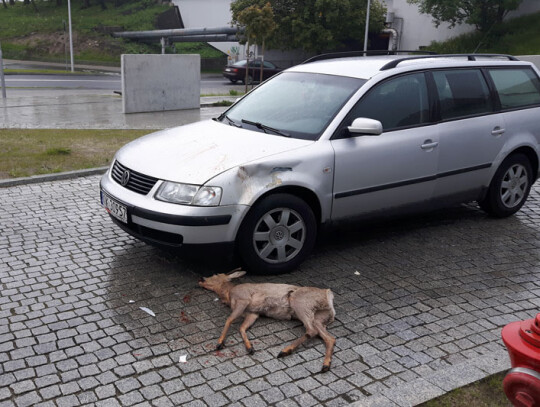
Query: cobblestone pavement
x=420 y=303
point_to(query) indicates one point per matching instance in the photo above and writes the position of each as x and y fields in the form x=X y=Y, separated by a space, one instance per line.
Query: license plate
x=115 y=208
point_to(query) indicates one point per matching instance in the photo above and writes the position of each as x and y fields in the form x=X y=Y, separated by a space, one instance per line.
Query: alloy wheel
x=279 y=235
x=514 y=185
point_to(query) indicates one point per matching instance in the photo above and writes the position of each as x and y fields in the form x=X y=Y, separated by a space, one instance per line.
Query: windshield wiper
x=231 y=121
x=265 y=128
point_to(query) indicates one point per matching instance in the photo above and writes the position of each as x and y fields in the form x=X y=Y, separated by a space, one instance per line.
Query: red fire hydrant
x=522 y=383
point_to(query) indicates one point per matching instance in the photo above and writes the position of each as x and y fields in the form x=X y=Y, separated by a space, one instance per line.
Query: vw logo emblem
x=125 y=178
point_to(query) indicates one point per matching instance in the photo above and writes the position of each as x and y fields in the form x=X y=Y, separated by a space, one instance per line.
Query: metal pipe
x=194 y=38
x=205 y=38
x=70 y=37
x=176 y=32
x=367 y=25
x=392 y=44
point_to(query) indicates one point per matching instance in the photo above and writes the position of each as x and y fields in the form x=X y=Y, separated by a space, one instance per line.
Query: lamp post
x=70 y=37
x=2 y=80
x=367 y=26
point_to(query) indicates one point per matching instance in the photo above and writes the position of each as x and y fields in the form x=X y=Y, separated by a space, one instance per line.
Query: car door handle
x=429 y=144
x=497 y=131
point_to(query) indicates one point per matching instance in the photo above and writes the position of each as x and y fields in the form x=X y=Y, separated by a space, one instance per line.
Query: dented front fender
x=309 y=168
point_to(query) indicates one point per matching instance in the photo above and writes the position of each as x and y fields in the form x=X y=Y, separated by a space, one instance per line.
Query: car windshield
x=293 y=104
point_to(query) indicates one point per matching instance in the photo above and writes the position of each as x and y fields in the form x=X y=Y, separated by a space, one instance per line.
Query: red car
x=237 y=71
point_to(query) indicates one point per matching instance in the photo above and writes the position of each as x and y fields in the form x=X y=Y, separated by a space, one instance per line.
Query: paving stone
x=105 y=392
x=237 y=393
x=258 y=385
x=426 y=308
x=181 y=398
x=216 y=399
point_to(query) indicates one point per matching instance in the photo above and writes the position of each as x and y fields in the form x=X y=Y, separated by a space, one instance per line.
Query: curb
x=52 y=177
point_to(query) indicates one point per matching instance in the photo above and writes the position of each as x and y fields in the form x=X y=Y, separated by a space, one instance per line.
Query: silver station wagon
x=333 y=139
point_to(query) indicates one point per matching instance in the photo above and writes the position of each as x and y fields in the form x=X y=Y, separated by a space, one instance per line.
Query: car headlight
x=187 y=194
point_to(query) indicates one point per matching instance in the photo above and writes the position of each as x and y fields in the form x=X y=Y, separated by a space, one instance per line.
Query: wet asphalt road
x=210 y=83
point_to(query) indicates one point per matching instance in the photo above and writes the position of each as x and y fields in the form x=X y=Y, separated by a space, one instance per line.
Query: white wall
x=418 y=29
x=535 y=59
x=527 y=7
x=207 y=14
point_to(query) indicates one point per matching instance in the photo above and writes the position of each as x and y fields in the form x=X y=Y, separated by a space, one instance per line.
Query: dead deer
x=312 y=306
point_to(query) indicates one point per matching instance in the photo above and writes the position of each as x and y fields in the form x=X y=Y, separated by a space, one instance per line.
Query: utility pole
x=367 y=26
x=70 y=36
x=2 y=79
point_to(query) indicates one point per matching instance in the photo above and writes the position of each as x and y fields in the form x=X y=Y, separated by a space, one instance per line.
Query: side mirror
x=363 y=125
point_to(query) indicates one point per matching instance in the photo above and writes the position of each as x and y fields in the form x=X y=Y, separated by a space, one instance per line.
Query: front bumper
x=232 y=75
x=173 y=225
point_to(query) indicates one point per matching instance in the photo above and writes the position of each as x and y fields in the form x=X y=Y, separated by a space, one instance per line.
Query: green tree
x=317 y=25
x=483 y=14
x=259 y=25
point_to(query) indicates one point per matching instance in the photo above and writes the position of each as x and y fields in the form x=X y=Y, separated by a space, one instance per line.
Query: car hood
x=197 y=152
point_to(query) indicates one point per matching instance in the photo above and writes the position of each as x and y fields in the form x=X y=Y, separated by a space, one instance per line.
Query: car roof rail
x=346 y=54
x=470 y=57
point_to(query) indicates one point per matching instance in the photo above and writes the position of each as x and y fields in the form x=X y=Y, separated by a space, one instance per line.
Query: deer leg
x=310 y=333
x=329 y=341
x=248 y=321
x=291 y=348
x=237 y=311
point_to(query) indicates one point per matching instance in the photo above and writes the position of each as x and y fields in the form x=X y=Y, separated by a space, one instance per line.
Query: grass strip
x=487 y=392
x=26 y=152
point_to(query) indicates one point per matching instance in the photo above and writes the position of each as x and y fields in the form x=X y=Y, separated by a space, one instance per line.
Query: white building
x=412 y=28
x=208 y=14
x=415 y=29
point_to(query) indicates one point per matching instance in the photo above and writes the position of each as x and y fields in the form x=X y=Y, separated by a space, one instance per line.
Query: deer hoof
x=220 y=346
x=282 y=354
x=325 y=368
x=251 y=351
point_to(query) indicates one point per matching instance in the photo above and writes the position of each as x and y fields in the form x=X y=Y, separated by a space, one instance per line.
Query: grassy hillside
x=519 y=36
x=29 y=34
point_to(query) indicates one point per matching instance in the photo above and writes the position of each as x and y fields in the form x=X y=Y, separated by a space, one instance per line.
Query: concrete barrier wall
x=535 y=59
x=153 y=83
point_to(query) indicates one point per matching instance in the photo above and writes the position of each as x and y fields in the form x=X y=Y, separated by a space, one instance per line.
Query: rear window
x=462 y=93
x=516 y=87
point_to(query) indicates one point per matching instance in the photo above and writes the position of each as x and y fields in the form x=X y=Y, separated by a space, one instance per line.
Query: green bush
x=519 y=36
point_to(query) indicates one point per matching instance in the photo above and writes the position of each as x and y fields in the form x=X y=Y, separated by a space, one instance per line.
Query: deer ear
x=235 y=274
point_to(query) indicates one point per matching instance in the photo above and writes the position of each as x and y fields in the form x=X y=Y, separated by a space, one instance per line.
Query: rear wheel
x=509 y=187
x=277 y=234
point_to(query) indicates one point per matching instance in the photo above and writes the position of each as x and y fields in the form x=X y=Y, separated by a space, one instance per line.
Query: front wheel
x=277 y=234
x=509 y=188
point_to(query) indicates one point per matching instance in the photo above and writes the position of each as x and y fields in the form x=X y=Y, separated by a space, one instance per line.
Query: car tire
x=233 y=81
x=277 y=234
x=509 y=187
x=249 y=80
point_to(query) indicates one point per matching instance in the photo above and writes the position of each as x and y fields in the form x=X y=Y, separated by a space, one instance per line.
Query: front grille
x=137 y=182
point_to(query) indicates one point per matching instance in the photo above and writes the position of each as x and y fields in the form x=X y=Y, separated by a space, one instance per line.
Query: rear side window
x=516 y=87
x=462 y=93
x=398 y=102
